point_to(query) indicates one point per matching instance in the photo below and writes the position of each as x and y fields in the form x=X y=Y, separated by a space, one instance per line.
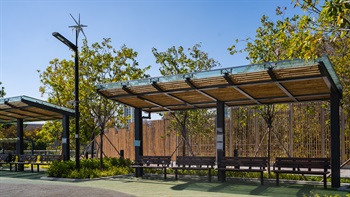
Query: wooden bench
x=24 y=159
x=47 y=160
x=153 y=162
x=194 y=163
x=244 y=164
x=4 y=158
x=313 y=166
x=7 y=159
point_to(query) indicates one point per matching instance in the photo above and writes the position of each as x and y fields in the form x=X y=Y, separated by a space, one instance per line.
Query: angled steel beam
x=328 y=79
x=156 y=86
x=275 y=80
x=126 y=89
x=189 y=82
x=234 y=86
x=41 y=117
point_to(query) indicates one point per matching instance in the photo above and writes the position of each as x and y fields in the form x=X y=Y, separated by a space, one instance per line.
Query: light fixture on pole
x=78 y=28
x=76 y=99
x=65 y=41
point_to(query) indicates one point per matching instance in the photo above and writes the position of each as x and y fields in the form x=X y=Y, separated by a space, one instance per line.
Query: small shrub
x=60 y=168
x=90 y=163
x=90 y=168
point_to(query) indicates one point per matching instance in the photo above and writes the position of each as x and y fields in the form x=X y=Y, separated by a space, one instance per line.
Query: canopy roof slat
x=30 y=109
x=272 y=82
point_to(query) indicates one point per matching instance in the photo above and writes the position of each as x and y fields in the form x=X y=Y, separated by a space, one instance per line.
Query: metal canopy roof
x=30 y=109
x=274 y=82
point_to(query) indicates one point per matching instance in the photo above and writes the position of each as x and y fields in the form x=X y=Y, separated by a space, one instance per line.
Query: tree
x=269 y=113
x=176 y=61
x=288 y=38
x=99 y=63
x=8 y=131
x=323 y=31
x=333 y=23
x=2 y=91
x=334 y=14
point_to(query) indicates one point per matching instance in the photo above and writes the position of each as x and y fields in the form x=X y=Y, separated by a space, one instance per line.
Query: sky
x=27 y=44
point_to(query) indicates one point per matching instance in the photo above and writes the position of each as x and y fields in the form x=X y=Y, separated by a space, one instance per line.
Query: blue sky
x=27 y=44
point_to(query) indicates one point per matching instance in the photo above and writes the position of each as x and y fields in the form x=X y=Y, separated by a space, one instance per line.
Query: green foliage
x=98 y=63
x=244 y=174
x=323 y=30
x=333 y=24
x=175 y=61
x=8 y=131
x=90 y=168
x=197 y=172
x=2 y=91
x=61 y=168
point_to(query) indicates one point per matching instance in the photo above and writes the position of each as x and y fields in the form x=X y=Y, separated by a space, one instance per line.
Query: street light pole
x=76 y=88
x=76 y=98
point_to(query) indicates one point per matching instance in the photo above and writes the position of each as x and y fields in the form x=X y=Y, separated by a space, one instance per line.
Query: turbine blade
x=83 y=34
x=74 y=19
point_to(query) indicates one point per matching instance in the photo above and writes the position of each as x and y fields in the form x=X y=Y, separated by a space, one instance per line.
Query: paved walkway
x=37 y=184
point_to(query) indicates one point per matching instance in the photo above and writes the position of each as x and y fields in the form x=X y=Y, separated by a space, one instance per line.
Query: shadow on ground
x=254 y=188
x=27 y=174
x=155 y=185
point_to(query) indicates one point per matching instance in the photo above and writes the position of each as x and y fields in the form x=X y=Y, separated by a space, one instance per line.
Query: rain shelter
x=258 y=84
x=22 y=109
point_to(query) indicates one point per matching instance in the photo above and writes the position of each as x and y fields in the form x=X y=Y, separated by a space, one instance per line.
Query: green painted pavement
x=186 y=186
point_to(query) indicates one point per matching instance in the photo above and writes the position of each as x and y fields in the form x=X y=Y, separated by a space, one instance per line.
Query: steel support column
x=65 y=138
x=138 y=138
x=220 y=137
x=20 y=145
x=335 y=138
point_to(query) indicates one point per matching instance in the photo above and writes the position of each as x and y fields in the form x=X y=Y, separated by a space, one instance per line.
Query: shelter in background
x=259 y=84
x=22 y=109
x=3 y=141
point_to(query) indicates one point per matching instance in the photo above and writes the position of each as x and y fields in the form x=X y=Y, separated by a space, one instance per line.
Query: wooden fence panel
x=305 y=133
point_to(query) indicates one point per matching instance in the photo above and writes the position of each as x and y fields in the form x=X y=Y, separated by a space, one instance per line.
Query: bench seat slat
x=314 y=166
x=244 y=164
x=240 y=169
x=194 y=163
x=300 y=172
x=24 y=159
x=152 y=162
x=47 y=160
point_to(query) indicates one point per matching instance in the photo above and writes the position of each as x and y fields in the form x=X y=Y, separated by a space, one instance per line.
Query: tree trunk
x=101 y=148
x=184 y=143
x=92 y=144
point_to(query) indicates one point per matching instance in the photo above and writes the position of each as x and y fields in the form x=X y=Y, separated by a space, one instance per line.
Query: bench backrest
x=201 y=161
x=50 y=158
x=27 y=158
x=155 y=160
x=7 y=158
x=250 y=162
x=297 y=163
x=3 y=157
